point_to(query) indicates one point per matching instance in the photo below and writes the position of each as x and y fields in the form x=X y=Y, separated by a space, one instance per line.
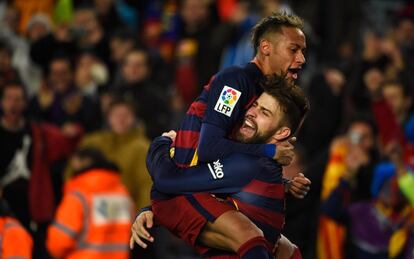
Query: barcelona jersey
x=221 y=103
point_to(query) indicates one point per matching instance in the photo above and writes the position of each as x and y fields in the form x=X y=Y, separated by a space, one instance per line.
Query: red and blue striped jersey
x=222 y=103
x=254 y=184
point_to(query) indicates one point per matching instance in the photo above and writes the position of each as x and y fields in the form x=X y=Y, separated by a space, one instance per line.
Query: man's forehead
x=268 y=102
x=294 y=36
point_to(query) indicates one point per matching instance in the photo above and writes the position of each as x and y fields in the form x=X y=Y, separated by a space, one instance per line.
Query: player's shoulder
x=233 y=73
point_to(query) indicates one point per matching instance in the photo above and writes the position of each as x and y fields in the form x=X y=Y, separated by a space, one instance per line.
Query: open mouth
x=249 y=127
x=293 y=72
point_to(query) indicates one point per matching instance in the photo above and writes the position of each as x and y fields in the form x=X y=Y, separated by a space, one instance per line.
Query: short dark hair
x=12 y=84
x=126 y=101
x=291 y=98
x=274 y=23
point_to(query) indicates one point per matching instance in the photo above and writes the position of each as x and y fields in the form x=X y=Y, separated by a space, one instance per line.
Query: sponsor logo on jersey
x=227 y=101
x=216 y=170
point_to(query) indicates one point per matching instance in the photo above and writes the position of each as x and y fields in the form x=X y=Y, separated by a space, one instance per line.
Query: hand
x=171 y=134
x=73 y=103
x=335 y=80
x=138 y=230
x=284 y=152
x=283 y=248
x=45 y=98
x=299 y=186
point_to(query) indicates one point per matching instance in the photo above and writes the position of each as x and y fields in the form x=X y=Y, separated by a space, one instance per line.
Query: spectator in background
x=326 y=94
x=89 y=33
x=7 y=72
x=27 y=71
x=122 y=42
x=28 y=151
x=125 y=144
x=148 y=97
x=60 y=102
x=91 y=75
x=107 y=15
x=94 y=218
x=198 y=49
x=400 y=100
x=381 y=59
x=16 y=242
x=354 y=152
x=372 y=223
x=239 y=51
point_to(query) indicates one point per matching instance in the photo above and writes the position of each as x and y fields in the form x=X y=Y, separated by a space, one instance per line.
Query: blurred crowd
x=110 y=75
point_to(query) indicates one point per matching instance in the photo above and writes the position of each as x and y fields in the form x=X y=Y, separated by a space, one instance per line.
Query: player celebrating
x=279 y=45
x=255 y=184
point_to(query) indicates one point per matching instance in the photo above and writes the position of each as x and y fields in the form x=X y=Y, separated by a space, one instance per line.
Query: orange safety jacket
x=15 y=242
x=93 y=219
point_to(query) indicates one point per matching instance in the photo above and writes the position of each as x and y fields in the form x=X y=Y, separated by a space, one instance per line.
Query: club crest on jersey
x=227 y=100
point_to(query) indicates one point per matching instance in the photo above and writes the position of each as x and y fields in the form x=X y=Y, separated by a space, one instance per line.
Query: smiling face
x=262 y=121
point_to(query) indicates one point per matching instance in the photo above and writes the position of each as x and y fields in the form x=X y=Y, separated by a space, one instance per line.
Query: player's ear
x=282 y=133
x=264 y=47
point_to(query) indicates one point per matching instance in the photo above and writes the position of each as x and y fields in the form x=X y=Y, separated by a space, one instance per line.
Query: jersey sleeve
x=229 y=95
x=222 y=176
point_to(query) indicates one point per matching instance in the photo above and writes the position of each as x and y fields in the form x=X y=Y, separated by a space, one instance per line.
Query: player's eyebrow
x=267 y=110
x=303 y=48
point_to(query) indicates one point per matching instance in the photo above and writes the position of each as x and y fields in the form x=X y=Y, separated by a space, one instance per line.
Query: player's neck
x=261 y=64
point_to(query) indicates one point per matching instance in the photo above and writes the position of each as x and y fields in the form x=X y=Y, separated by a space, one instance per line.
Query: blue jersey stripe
x=275 y=205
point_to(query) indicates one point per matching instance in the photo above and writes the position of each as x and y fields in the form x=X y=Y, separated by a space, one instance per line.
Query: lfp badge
x=227 y=100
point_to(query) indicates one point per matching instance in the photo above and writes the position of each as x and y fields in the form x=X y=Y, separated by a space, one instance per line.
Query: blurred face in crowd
x=404 y=33
x=37 y=31
x=5 y=60
x=121 y=119
x=360 y=134
x=262 y=122
x=394 y=96
x=86 y=19
x=135 y=68
x=120 y=49
x=285 y=51
x=61 y=75
x=13 y=102
x=194 y=12
x=103 y=6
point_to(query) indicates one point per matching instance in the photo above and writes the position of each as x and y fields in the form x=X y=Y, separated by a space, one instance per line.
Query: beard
x=257 y=138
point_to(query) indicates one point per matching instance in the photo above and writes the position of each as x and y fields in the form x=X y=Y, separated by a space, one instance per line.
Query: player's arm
x=222 y=176
x=228 y=98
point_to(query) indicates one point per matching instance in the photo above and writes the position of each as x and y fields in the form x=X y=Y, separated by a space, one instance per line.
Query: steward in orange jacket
x=15 y=241
x=95 y=215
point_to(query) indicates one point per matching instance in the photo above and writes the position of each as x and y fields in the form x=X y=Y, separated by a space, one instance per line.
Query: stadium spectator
x=60 y=102
x=94 y=217
x=149 y=98
x=29 y=150
x=125 y=144
x=354 y=153
x=15 y=241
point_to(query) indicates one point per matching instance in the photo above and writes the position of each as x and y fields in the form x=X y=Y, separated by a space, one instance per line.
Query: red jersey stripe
x=187 y=139
x=198 y=109
x=269 y=190
x=271 y=218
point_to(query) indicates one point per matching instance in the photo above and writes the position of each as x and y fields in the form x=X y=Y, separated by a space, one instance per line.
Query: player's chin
x=246 y=133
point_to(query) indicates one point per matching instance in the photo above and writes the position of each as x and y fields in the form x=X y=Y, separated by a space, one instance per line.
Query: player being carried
x=279 y=45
